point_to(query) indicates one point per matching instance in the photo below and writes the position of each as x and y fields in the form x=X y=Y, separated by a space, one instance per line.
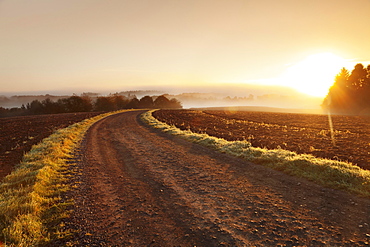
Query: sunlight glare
x=314 y=75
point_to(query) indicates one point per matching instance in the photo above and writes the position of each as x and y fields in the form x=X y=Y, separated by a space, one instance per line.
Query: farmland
x=301 y=133
x=18 y=134
x=171 y=192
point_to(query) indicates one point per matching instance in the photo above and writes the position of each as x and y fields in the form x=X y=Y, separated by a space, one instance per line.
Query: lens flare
x=330 y=122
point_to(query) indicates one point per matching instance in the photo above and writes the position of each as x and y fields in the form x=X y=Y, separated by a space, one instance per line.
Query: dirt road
x=139 y=187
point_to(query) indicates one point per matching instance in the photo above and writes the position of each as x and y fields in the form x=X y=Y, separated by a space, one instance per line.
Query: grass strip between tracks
x=329 y=173
x=30 y=205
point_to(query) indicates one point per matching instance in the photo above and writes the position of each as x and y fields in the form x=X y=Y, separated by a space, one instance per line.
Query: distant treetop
x=350 y=93
x=85 y=103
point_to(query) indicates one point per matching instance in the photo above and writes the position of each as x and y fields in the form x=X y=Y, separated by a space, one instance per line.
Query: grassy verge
x=329 y=173
x=30 y=205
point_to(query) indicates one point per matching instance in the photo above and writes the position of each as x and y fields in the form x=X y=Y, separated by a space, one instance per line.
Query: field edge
x=329 y=173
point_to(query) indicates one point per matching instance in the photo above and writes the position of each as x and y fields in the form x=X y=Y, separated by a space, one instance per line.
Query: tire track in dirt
x=139 y=187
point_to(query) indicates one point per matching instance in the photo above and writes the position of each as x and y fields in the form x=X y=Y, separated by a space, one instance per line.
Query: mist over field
x=217 y=95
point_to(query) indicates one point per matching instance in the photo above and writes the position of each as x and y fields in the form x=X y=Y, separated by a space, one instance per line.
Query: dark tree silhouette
x=350 y=93
x=76 y=104
x=357 y=79
x=104 y=104
x=146 y=102
x=120 y=101
x=133 y=104
x=35 y=107
x=174 y=103
x=14 y=111
x=161 y=102
x=50 y=107
x=86 y=104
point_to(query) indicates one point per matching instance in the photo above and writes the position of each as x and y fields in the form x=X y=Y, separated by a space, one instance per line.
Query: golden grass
x=30 y=202
x=329 y=173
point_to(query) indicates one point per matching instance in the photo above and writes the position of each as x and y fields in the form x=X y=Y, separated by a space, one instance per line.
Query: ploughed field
x=18 y=134
x=301 y=133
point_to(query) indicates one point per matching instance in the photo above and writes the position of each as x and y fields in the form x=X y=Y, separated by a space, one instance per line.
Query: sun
x=313 y=75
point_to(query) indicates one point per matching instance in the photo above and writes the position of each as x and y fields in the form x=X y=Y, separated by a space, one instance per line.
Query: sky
x=119 y=45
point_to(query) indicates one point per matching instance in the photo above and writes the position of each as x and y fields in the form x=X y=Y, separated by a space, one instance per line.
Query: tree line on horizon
x=87 y=104
x=350 y=93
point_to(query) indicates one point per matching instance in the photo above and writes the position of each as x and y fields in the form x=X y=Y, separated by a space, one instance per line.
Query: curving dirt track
x=139 y=187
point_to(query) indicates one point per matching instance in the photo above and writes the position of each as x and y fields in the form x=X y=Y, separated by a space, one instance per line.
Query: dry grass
x=30 y=203
x=330 y=173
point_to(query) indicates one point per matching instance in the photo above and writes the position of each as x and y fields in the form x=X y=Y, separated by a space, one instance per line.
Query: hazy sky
x=117 y=45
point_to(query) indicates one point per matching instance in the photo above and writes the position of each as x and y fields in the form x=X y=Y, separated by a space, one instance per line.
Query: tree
x=161 y=102
x=341 y=80
x=174 y=103
x=120 y=101
x=350 y=92
x=75 y=104
x=35 y=107
x=146 y=102
x=358 y=77
x=103 y=104
x=50 y=107
x=78 y=104
x=133 y=104
x=3 y=111
x=86 y=104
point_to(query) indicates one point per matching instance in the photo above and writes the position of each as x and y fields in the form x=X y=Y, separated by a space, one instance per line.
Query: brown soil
x=300 y=133
x=140 y=187
x=19 y=134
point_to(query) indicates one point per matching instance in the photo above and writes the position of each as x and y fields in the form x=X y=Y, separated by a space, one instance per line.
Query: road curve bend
x=136 y=186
